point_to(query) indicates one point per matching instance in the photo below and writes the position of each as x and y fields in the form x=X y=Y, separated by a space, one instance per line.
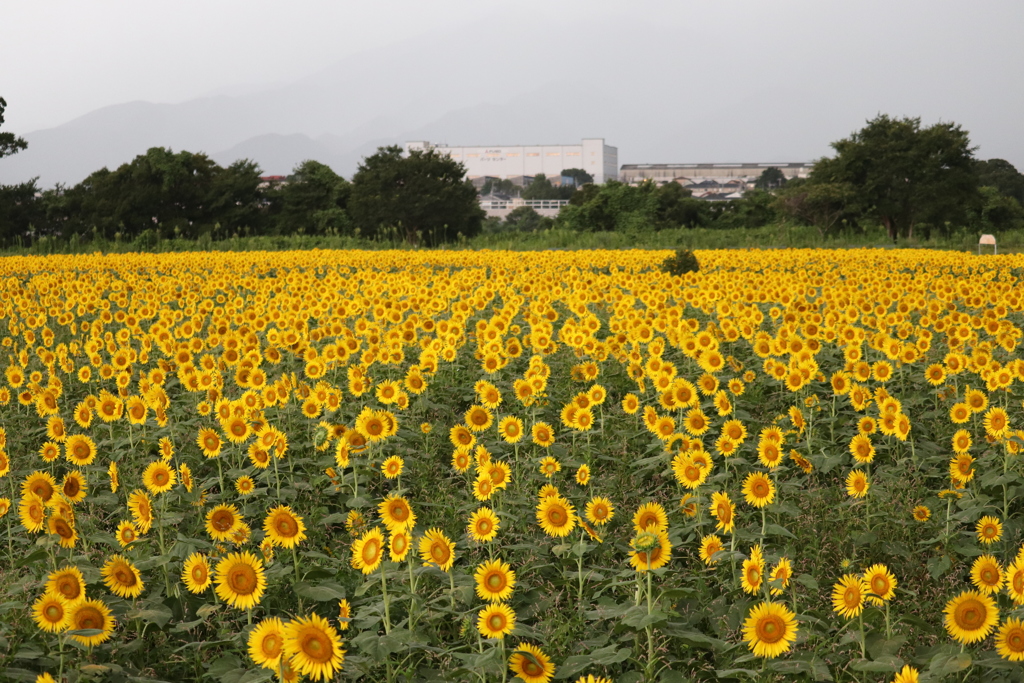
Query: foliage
x=313 y=200
x=501 y=186
x=683 y=261
x=312 y=370
x=9 y=142
x=579 y=176
x=423 y=197
x=1002 y=175
x=905 y=175
x=526 y=219
x=771 y=178
x=541 y=188
x=820 y=204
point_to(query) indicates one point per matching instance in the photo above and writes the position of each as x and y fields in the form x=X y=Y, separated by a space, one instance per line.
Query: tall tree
x=423 y=197
x=313 y=200
x=771 y=178
x=904 y=174
x=9 y=142
x=1003 y=176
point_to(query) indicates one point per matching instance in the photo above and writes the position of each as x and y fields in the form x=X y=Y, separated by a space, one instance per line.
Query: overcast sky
x=937 y=59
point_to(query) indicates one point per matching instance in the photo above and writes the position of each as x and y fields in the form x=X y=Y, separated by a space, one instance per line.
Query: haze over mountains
x=659 y=91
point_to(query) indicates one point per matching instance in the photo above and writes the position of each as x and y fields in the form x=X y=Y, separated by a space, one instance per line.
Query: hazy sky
x=833 y=62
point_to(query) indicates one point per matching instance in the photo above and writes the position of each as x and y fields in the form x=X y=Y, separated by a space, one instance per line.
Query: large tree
x=313 y=201
x=904 y=175
x=423 y=197
x=9 y=142
x=1003 y=176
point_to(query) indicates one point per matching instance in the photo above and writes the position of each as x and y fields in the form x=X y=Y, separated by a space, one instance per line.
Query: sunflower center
x=971 y=615
x=271 y=646
x=160 y=478
x=242 y=579
x=495 y=582
x=851 y=597
x=124 y=576
x=54 y=612
x=879 y=585
x=223 y=521
x=496 y=622
x=483 y=527
x=531 y=668
x=556 y=516
x=89 y=618
x=285 y=527
x=989 y=576
x=199 y=574
x=1015 y=640
x=439 y=553
x=370 y=552
x=771 y=629
x=317 y=647
x=760 y=489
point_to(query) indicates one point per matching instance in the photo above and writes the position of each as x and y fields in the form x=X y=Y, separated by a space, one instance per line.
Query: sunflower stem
x=220 y=474
x=384 y=592
x=650 y=632
x=579 y=573
x=295 y=561
x=412 y=598
x=451 y=594
x=888 y=629
x=277 y=476
x=163 y=548
x=860 y=617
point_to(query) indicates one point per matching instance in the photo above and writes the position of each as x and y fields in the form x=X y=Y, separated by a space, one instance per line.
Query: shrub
x=684 y=261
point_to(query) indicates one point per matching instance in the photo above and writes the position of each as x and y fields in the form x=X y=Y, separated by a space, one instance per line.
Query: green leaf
x=943 y=664
x=737 y=673
x=807 y=581
x=321 y=593
x=938 y=566
x=886 y=665
x=154 y=613
x=776 y=530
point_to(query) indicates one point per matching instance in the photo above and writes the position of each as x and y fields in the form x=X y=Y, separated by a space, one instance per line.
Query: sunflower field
x=792 y=465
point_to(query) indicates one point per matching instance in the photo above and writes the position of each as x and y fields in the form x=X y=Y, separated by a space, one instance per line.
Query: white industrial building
x=519 y=163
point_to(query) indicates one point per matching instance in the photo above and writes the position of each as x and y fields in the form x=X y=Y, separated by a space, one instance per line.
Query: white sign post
x=987 y=239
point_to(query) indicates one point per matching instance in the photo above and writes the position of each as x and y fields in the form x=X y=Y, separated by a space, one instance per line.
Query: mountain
x=660 y=89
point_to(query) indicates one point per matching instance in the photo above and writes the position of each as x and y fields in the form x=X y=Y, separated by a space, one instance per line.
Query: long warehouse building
x=519 y=163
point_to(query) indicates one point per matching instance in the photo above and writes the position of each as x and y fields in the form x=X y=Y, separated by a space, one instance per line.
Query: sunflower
x=195 y=573
x=500 y=474
x=73 y=486
x=478 y=418
x=583 y=475
x=67 y=583
x=922 y=513
x=857 y=484
x=961 y=441
x=87 y=615
x=650 y=514
x=848 y=595
x=245 y=485
x=483 y=487
x=688 y=472
x=494 y=581
x=39 y=484
x=396 y=513
x=709 y=545
x=651 y=549
x=1010 y=640
x=51 y=613
x=5 y=506
x=549 y=466
x=283 y=527
x=122 y=577
x=959 y=413
x=780 y=575
x=483 y=525
x=240 y=580
x=80 y=450
x=556 y=516
x=209 y=442
x=996 y=423
x=49 y=451
x=344 y=614
x=460 y=436
x=511 y=429
x=989 y=530
x=862 y=449
x=543 y=435
x=368 y=551
x=266 y=643
x=987 y=575
x=752 y=572
x=770 y=629
x=313 y=647
x=112 y=474
x=769 y=454
x=599 y=510
x=141 y=508
x=222 y=521
x=495 y=621
x=1015 y=580
x=461 y=459
x=881 y=583
x=961 y=468
x=696 y=422
x=392 y=467
x=970 y=617
x=758 y=490
x=158 y=477
x=436 y=549
x=186 y=476
x=907 y=674
x=32 y=511
x=398 y=545
x=531 y=664
x=723 y=510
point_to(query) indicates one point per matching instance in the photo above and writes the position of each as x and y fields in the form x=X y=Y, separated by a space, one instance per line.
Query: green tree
x=676 y=207
x=501 y=185
x=579 y=176
x=21 y=212
x=820 y=204
x=313 y=201
x=904 y=175
x=526 y=219
x=771 y=178
x=424 y=197
x=1002 y=175
x=9 y=142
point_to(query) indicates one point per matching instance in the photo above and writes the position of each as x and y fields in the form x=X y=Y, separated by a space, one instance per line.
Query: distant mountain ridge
x=659 y=92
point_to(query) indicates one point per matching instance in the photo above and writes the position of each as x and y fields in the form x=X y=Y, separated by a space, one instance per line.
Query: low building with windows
x=522 y=162
x=687 y=174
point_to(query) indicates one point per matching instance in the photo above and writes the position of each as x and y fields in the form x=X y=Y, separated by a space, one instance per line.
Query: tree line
x=894 y=173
